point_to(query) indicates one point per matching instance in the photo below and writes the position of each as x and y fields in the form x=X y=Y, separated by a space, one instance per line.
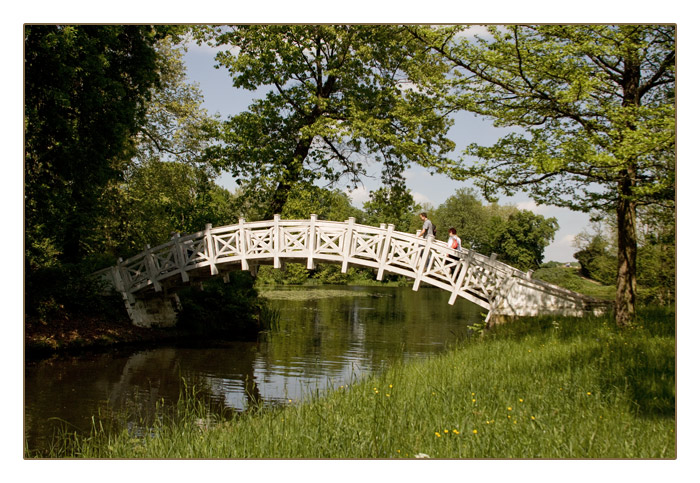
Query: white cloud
x=358 y=196
x=421 y=199
x=534 y=207
x=561 y=249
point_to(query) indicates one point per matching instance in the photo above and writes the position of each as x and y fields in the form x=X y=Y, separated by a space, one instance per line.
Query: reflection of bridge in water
x=149 y=280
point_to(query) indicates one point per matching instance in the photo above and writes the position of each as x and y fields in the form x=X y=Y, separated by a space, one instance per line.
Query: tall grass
x=546 y=387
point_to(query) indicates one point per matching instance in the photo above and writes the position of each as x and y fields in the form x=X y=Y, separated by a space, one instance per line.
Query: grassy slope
x=571 y=279
x=534 y=388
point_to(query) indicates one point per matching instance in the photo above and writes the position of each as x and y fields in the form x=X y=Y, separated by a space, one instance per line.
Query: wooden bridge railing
x=470 y=275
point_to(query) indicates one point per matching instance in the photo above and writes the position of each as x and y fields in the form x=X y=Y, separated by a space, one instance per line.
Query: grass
x=570 y=278
x=545 y=387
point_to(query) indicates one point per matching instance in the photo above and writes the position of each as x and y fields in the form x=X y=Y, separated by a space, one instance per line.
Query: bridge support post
x=423 y=262
x=276 y=242
x=151 y=269
x=311 y=244
x=211 y=252
x=243 y=244
x=385 y=251
x=180 y=258
x=463 y=269
x=158 y=311
x=347 y=244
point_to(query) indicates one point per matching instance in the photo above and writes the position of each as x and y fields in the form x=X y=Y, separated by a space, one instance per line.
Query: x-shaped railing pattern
x=246 y=245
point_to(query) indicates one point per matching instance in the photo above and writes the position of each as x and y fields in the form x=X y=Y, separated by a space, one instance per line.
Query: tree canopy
x=340 y=97
x=595 y=105
x=86 y=94
x=518 y=237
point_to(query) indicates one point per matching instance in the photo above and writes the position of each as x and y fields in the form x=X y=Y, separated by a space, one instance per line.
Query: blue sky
x=220 y=96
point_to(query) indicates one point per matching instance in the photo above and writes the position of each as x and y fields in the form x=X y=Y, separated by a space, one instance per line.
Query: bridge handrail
x=466 y=274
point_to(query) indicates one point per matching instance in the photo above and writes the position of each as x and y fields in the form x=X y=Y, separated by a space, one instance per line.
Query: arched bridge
x=148 y=280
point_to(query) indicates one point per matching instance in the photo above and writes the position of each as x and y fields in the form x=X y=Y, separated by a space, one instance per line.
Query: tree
x=327 y=204
x=159 y=198
x=465 y=212
x=391 y=205
x=339 y=97
x=595 y=108
x=596 y=260
x=176 y=127
x=518 y=237
x=86 y=91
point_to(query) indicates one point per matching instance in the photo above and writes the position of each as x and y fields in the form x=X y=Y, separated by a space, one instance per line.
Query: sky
x=221 y=97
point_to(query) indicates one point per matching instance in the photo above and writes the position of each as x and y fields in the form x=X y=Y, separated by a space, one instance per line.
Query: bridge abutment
x=157 y=311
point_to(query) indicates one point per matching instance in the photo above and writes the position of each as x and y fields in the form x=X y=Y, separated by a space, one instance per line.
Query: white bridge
x=148 y=280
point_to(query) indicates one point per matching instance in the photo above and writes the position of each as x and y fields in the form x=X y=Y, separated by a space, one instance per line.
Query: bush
x=292 y=274
x=222 y=309
x=61 y=291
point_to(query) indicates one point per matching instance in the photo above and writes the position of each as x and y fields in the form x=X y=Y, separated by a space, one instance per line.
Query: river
x=328 y=337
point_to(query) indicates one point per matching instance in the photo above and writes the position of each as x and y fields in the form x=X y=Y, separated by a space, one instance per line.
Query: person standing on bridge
x=428 y=227
x=455 y=243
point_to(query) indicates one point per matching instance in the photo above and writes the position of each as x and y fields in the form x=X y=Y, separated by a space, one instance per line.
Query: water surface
x=328 y=336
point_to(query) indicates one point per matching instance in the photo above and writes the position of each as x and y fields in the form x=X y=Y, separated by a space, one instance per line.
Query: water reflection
x=328 y=337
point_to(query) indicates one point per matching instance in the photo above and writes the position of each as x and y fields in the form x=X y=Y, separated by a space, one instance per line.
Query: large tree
x=339 y=96
x=595 y=108
x=86 y=90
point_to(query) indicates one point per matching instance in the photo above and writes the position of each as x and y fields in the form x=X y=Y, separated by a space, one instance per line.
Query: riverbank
x=77 y=333
x=545 y=387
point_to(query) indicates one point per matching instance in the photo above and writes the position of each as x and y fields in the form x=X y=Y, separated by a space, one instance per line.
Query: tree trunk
x=625 y=296
x=291 y=176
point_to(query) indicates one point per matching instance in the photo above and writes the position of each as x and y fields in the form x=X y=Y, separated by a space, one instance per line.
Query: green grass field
x=546 y=387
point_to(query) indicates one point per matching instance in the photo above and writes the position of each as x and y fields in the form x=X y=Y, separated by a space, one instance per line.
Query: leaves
x=341 y=98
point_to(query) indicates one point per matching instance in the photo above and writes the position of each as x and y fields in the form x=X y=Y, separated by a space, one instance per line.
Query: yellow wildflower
x=475 y=431
x=455 y=431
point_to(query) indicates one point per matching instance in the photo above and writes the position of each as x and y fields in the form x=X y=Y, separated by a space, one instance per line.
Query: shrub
x=222 y=309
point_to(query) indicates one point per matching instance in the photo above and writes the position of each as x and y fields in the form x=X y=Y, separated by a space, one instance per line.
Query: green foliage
x=222 y=309
x=592 y=109
x=61 y=291
x=292 y=274
x=331 y=275
x=157 y=199
x=597 y=261
x=518 y=237
x=86 y=89
x=571 y=279
x=521 y=239
x=327 y=204
x=391 y=205
x=334 y=102
x=177 y=127
x=579 y=119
